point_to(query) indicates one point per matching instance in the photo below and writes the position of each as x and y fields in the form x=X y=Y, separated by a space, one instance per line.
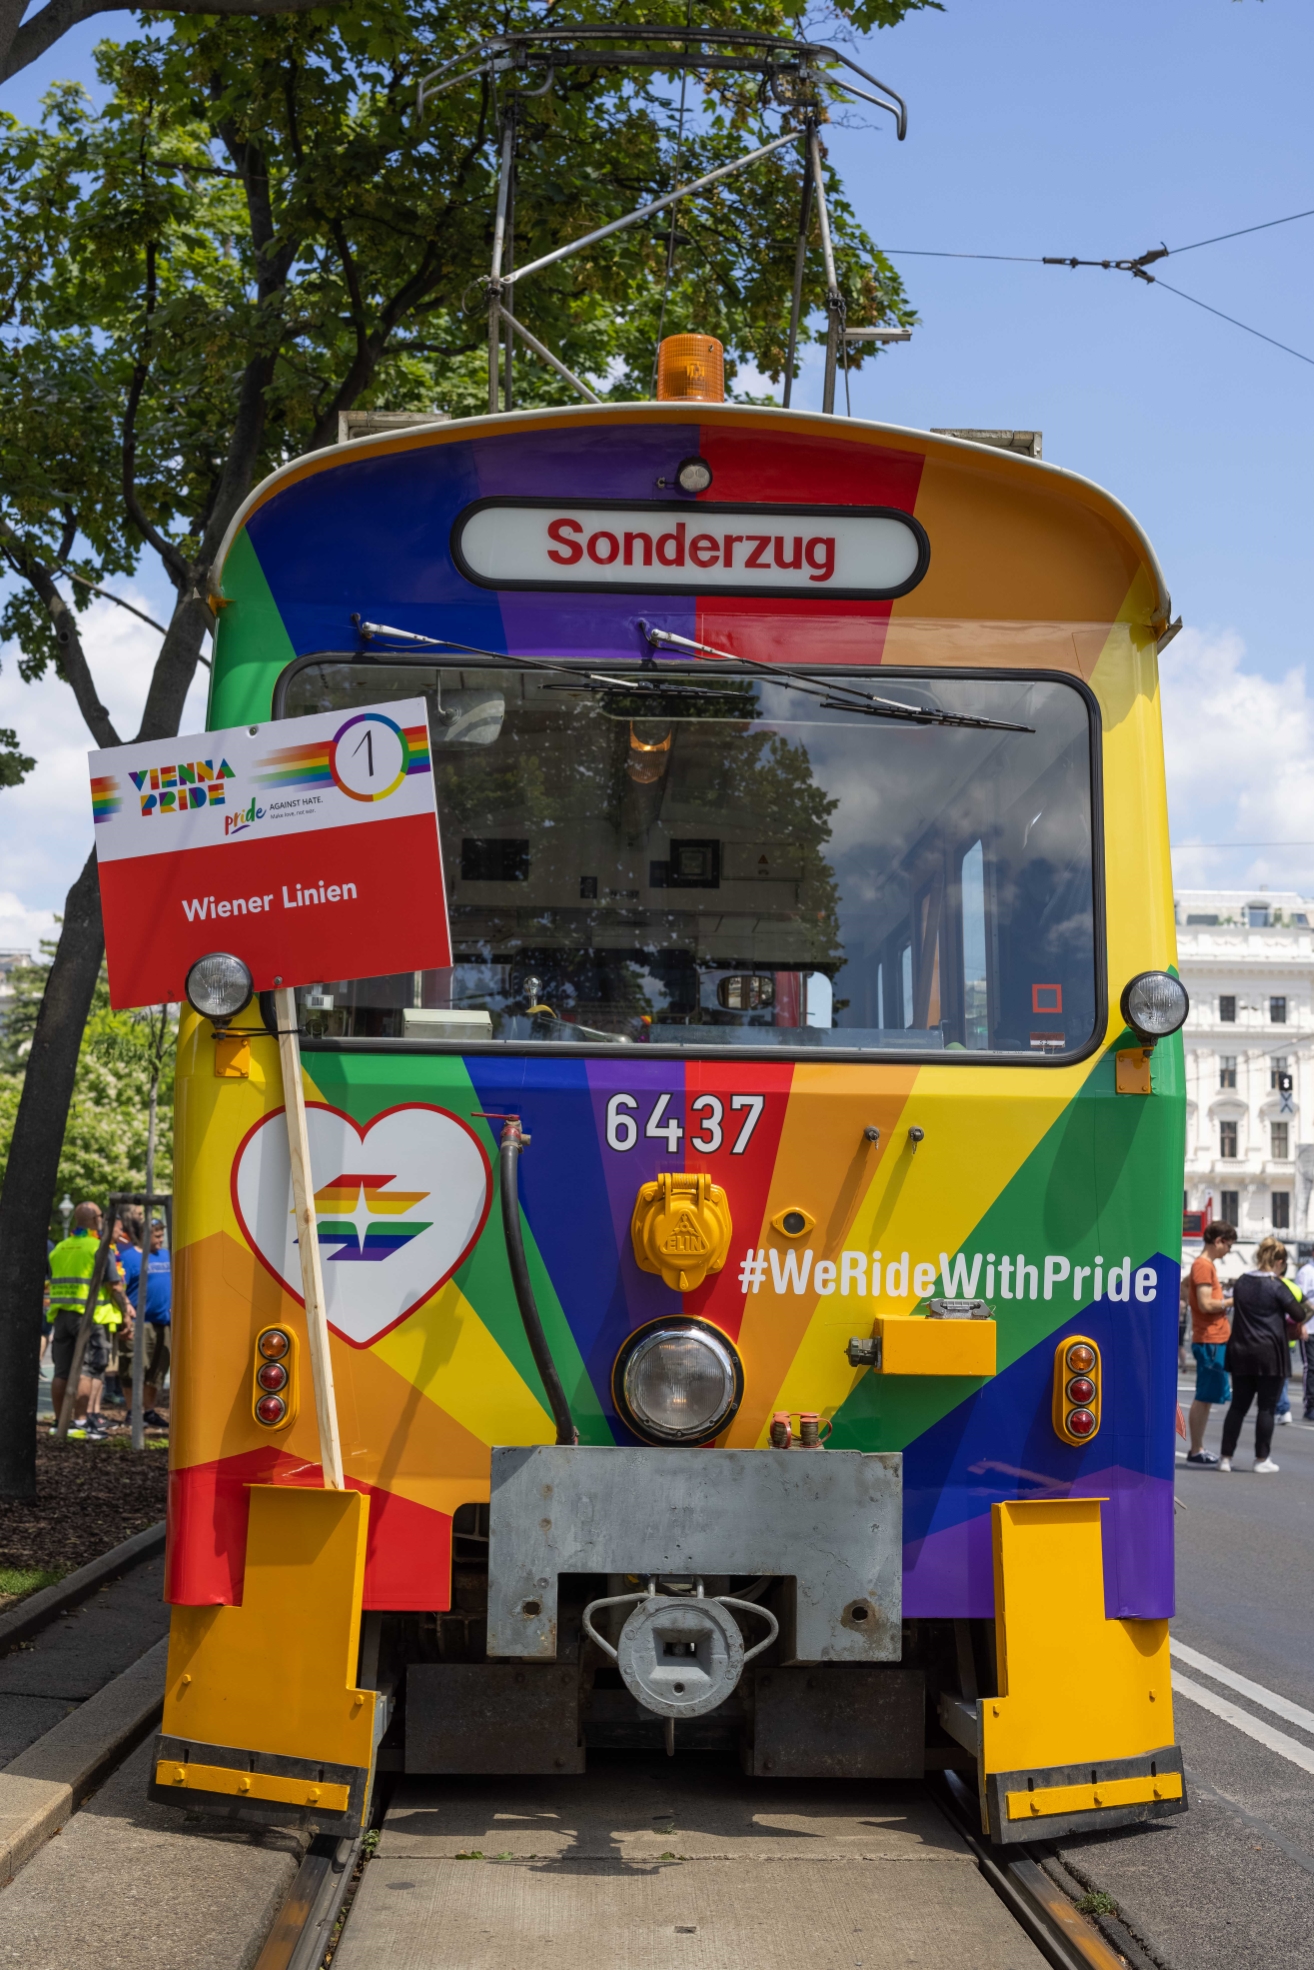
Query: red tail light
x=271 y=1409
x=1077 y=1397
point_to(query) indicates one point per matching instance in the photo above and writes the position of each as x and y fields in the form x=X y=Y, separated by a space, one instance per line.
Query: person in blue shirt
x=159 y=1315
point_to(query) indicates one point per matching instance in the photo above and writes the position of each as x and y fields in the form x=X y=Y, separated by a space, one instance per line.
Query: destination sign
x=867 y=553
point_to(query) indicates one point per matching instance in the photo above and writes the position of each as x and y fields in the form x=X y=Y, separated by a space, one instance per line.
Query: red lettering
x=675 y=541
x=760 y=544
x=797 y=561
x=647 y=549
x=573 y=552
x=595 y=552
x=826 y=565
x=731 y=542
x=704 y=550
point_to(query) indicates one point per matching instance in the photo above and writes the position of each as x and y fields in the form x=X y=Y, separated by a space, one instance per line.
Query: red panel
x=746 y=1179
x=802 y=469
x=408 y=1553
x=785 y=468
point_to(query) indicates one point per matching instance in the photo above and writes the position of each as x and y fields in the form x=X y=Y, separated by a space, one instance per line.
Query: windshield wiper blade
x=651 y=685
x=831 y=694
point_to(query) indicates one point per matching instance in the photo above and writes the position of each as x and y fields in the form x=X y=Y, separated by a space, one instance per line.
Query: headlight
x=678 y=1381
x=1155 y=1004
x=218 y=985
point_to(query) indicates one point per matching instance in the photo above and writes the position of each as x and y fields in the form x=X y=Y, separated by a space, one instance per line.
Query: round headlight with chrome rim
x=218 y=985
x=678 y=1381
x=1155 y=1004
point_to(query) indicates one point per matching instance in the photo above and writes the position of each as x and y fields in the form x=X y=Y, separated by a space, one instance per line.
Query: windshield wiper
x=652 y=686
x=831 y=695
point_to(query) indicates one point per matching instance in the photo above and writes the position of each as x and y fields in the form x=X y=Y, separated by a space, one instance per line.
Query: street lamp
x=66 y=1210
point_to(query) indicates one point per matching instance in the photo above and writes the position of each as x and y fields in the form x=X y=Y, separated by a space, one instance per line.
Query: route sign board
x=307 y=847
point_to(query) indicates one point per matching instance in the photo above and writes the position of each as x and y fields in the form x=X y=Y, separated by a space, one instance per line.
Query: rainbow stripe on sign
x=312 y=765
x=105 y=800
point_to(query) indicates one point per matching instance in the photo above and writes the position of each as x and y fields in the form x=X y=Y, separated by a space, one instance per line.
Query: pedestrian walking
x=71 y=1265
x=1305 y=1281
x=1209 y=1335
x=159 y=1316
x=1265 y=1315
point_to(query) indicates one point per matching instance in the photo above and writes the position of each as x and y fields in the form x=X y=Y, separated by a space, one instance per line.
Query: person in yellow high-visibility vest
x=71 y=1265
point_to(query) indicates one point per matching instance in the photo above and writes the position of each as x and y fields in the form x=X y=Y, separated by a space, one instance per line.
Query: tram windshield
x=741 y=866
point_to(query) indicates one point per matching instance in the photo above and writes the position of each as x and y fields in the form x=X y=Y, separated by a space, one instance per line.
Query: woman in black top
x=1266 y=1315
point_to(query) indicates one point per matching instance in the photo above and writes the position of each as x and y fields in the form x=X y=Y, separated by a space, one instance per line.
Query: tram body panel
x=1033 y=1184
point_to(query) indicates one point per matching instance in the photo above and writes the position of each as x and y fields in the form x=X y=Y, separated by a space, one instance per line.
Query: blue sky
x=1094 y=127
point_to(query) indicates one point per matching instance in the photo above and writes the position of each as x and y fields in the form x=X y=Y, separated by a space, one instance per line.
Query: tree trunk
x=31 y=1173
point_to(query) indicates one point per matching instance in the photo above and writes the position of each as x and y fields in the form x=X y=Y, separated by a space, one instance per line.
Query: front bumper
x=829 y=1521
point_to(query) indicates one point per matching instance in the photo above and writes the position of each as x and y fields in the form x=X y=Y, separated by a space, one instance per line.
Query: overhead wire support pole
x=532 y=342
x=800 y=258
x=646 y=211
x=495 y=273
x=834 y=301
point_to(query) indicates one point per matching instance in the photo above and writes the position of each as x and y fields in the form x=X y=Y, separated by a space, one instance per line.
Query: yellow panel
x=1050 y=1799
x=277 y=1673
x=232 y=1057
x=446 y=1352
x=917 y=1346
x=254 y=1785
x=924 y=1202
x=1074 y=1686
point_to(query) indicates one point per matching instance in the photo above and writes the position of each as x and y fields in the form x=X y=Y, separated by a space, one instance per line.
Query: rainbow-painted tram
x=789 y=1129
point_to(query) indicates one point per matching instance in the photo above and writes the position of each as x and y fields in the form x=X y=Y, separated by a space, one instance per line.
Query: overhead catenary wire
x=1136 y=267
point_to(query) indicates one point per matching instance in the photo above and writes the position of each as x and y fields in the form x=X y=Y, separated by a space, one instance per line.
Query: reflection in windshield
x=743 y=867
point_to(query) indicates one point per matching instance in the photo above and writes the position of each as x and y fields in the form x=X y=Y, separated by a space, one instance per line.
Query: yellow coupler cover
x=261 y=1715
x=1081 y=1733
x=913 y=1345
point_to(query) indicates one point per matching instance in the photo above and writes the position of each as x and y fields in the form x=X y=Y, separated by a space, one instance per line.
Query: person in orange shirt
x=1210 y=1334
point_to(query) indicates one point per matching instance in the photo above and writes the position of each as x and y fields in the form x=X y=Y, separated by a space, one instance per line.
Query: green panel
x=362 y=1086
x=251 y=645
x=1107 y=1179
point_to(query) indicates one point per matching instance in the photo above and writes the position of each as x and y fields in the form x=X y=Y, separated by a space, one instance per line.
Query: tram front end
x=750 y=1267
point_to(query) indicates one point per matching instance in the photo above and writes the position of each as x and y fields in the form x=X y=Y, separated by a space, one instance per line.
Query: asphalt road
x=1230 y=1884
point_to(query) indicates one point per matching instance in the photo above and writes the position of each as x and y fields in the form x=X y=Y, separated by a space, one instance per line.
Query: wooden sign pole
x=312 y=1276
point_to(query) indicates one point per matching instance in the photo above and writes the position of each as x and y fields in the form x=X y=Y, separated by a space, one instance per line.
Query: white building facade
x=1247 y=959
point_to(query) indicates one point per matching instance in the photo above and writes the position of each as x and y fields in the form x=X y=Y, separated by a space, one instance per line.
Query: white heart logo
x=399 y=1204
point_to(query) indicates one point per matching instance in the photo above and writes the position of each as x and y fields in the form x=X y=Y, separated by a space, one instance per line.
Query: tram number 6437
x=660 y=1126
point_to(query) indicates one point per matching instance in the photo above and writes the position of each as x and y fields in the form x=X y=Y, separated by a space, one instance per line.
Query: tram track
x=317 y=1911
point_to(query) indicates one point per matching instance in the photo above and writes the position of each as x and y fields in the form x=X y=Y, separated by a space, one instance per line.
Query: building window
x=1204 y=920
x=1281 y=1147
x=1257 y=916
x=1281 y=1201
x=1227 y=1009
x=1227 y=1140
x=1227 y=1070
x=1277 y=1066
x=1229 y=1205
x=1277 y=1011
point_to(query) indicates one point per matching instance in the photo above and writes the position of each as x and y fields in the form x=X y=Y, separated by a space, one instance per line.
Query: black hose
x=529 y=1314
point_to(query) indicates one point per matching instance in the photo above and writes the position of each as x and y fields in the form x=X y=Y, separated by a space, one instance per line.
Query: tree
x=123 y=1067
x=257 y=232
x=21 y=45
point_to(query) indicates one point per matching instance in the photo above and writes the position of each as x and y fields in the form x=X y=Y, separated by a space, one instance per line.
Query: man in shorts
x=1210 y=1333
x=72 y=1263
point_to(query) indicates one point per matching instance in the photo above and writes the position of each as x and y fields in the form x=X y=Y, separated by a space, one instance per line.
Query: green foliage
x=105 y=1135
x=14 y=765
x=258 y=229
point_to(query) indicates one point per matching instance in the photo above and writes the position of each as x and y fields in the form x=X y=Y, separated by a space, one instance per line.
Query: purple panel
x=950 y=1572
x=587 y=462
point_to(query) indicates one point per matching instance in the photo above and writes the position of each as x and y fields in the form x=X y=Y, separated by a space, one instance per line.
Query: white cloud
x=45 y=825
x=1240 y=758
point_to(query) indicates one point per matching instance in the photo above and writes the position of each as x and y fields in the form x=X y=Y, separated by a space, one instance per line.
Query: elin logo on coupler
x=383 y=1255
